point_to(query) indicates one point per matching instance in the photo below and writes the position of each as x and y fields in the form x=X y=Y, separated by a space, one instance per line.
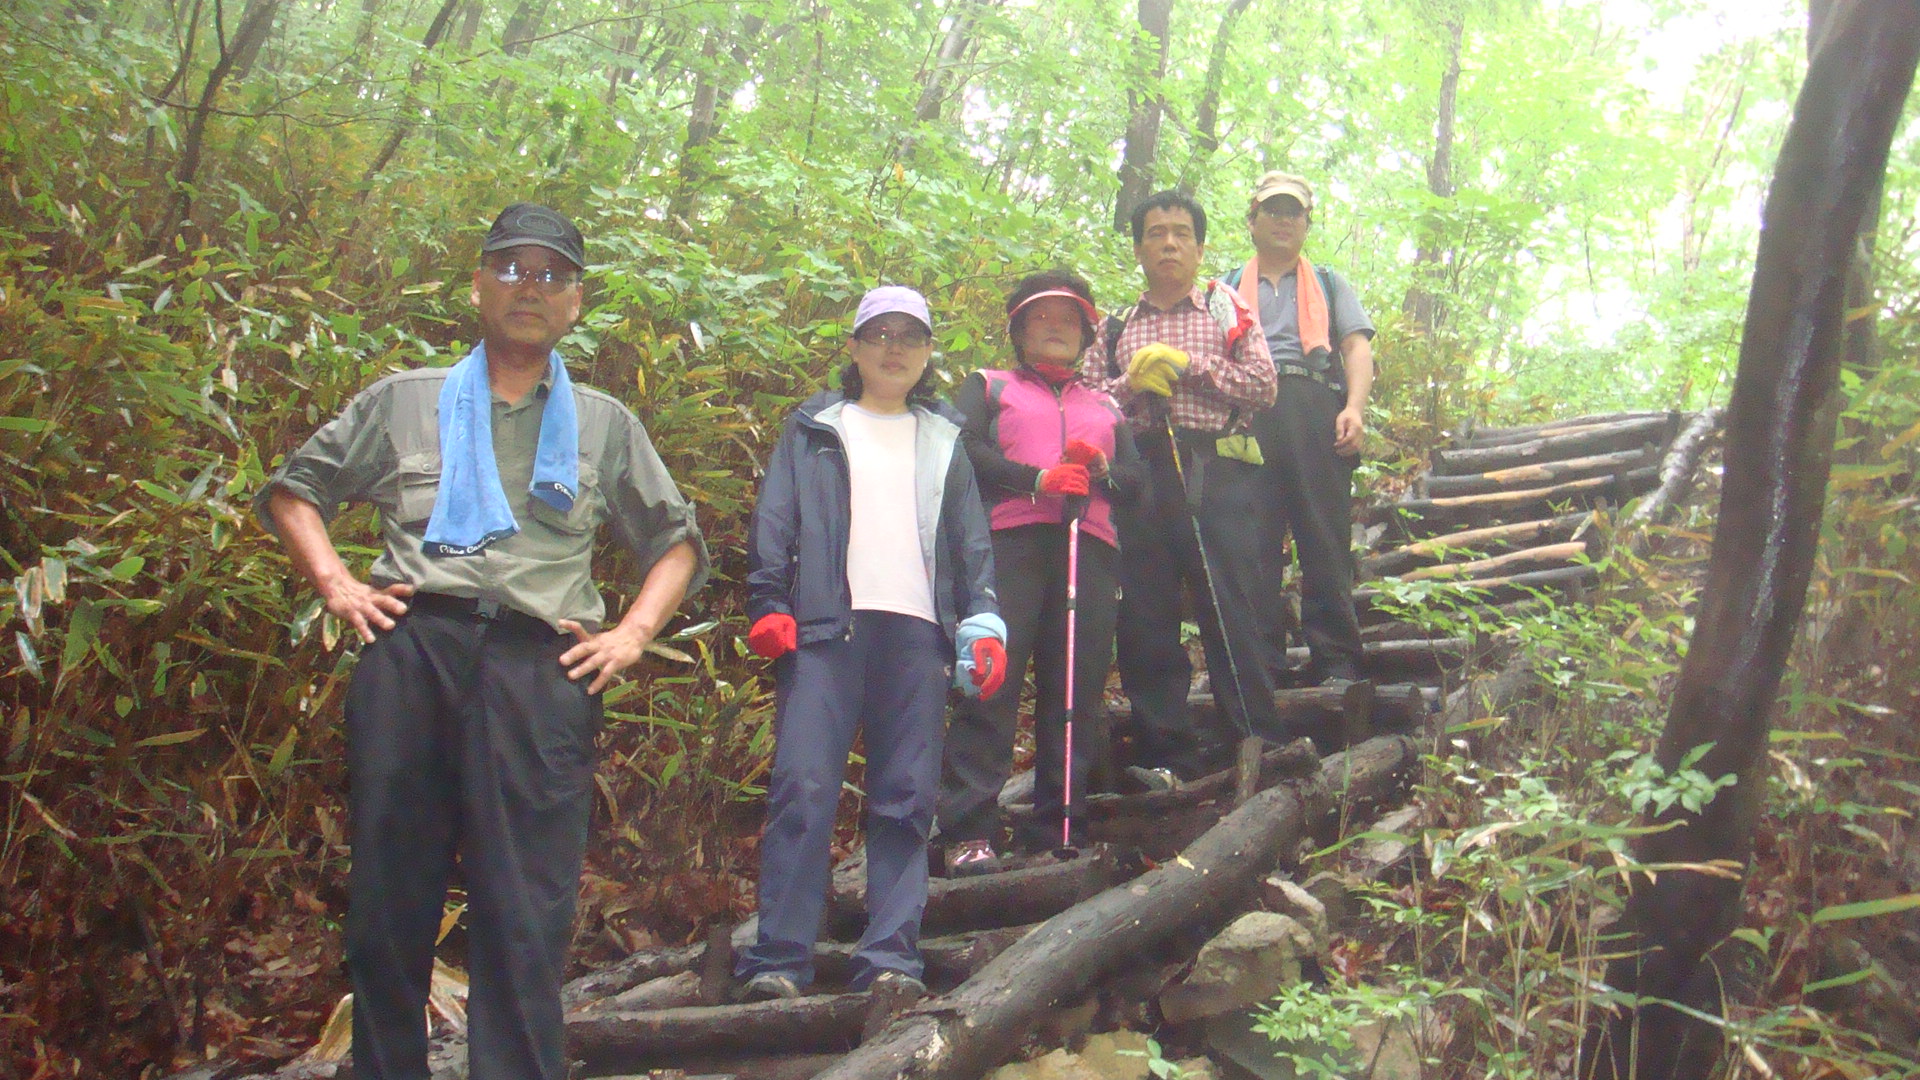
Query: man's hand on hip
x=1348 y=429
x=364 y=607
x=609 y=652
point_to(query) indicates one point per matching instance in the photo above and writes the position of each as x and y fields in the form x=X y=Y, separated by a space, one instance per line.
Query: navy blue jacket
x=797 y=546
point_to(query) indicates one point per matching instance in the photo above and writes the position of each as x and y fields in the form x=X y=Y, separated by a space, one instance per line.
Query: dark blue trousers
x=465 y=737
x=888 y=676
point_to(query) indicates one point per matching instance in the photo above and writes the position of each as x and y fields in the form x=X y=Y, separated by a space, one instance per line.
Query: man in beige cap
x=1322 y=346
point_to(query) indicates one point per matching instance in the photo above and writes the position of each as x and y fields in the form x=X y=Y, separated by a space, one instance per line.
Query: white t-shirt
x=885 y=568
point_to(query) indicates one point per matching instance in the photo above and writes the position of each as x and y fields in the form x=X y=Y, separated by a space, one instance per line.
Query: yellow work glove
x=1155 y=368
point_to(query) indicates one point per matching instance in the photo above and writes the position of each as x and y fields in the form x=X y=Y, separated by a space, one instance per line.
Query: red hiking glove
x=1066 y=479
x=773 y=635
x=989 y=666
x=1088 y=456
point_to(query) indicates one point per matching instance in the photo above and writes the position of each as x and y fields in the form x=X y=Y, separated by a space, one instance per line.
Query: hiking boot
x=770 y=986
x=969 y=857
x=898 y=984
x=1154 y=779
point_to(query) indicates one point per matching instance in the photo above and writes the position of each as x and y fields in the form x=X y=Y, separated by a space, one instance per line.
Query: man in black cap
x=475 y=704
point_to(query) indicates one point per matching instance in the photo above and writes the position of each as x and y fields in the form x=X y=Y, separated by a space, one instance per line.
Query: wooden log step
x=1419 y=518
x=629 y=1039
x=1483 y=593
x=1475 y=434
x=1545 y=557
x=991 y=900
x=1607 y=439
x=1489 y=437
x=1545 y=472
x=1476 y=543
x=1500 y=614
x=1394 y=708
x=1403 y=661
x=963 y=1034
x=724 y=1067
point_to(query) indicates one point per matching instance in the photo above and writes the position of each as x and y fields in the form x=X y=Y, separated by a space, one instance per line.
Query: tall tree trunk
x=937 y=80
x=1146 y=103
x=254 y=22
x=1423 y=307
x=469 y=26
x=712 y=90
x=1863 y=334
x=1779 y=444
x=402 y=127
x=1206 y=137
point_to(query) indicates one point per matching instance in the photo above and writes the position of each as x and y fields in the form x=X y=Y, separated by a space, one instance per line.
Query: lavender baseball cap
x=889 y=298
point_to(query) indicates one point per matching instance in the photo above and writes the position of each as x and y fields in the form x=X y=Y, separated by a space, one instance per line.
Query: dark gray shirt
x=1280 y=318
x=384 y=448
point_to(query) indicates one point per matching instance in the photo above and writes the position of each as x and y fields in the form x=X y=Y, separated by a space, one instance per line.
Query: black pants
x=465 y=738
x=1157 y=556
x=1310 y=495
x=1030 y=573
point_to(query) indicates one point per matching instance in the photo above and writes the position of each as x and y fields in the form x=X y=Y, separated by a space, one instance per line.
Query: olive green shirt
x=384 y=448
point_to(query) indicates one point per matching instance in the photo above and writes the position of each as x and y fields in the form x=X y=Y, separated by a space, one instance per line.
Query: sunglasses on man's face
x=548 y=279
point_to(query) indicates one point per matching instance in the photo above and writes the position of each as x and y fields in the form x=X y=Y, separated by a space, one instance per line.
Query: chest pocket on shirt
x=418 y=478
x=585 y=514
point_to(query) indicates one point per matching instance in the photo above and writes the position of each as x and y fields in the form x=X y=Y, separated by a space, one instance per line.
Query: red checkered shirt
x=1222 y=388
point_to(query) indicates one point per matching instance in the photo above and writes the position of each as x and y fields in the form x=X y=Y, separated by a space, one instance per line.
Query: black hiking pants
x=465 y=739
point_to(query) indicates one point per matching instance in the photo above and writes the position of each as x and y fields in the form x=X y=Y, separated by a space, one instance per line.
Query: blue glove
x=972 y=629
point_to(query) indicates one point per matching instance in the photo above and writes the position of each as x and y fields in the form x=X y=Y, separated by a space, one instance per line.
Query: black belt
x=469 y=607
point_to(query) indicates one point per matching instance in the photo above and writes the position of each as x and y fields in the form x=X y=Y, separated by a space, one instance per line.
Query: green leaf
x=82 y=627
x=1866 y=909
x=170 y=738
x=127 y=567
x=1848 y=979
x=283 y=753
x=23 y=423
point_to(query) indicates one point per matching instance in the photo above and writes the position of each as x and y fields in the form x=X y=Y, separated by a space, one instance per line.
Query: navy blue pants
x=465 y=737
x=888 y=676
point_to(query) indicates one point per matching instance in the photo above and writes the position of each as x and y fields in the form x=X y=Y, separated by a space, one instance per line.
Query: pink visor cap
x=1086 y=307
x=891 y=298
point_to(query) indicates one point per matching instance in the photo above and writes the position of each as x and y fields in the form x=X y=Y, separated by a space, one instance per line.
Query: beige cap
x=1279 y=183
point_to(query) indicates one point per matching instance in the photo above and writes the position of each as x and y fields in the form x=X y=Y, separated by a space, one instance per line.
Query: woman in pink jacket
x=1044 y=448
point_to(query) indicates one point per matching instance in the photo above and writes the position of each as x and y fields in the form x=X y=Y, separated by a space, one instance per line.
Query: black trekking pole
x=1206 y=572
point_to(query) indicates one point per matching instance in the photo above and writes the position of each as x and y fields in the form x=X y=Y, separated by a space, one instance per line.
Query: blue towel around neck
x=471 y=510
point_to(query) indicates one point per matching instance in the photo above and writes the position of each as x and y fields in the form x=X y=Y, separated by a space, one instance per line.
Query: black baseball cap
x=530 y=223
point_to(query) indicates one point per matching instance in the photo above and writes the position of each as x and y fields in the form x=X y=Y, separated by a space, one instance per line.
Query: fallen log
x=630 y=1039
x=1536 y=475
x=722 y=1067
x=992 y=900
x=1408 y=661
x=1474 y=435
x=1414 y=519
x=1492 y=614
x=1311 y=708
x=1478 y=542
x=1603 y=439
x=966 y=1032
x=1677 y=471
x=1375 y=606
x=1545 y=557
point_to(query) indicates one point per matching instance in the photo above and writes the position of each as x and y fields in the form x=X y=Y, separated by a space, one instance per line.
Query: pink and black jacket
x=1018 y=424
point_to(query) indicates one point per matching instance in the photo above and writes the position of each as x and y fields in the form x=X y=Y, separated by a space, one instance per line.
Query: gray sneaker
x=770 y=986
x=1154 y=779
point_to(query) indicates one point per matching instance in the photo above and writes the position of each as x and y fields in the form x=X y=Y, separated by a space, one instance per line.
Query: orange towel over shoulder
x=1316 y=326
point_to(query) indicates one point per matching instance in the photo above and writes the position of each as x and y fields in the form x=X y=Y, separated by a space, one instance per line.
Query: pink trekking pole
x=1073 y=592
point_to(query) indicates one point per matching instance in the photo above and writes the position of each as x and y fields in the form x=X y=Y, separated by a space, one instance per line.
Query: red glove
x=774 y=635
x=989 y=666
x=1088 y=456
x=1064 y=480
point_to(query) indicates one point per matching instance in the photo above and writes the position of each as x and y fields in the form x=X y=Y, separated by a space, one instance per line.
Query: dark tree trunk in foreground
x=1779 y=442
x=1137 y=161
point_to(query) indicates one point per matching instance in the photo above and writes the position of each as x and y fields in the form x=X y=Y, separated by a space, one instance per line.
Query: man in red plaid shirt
x=1190 y=360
